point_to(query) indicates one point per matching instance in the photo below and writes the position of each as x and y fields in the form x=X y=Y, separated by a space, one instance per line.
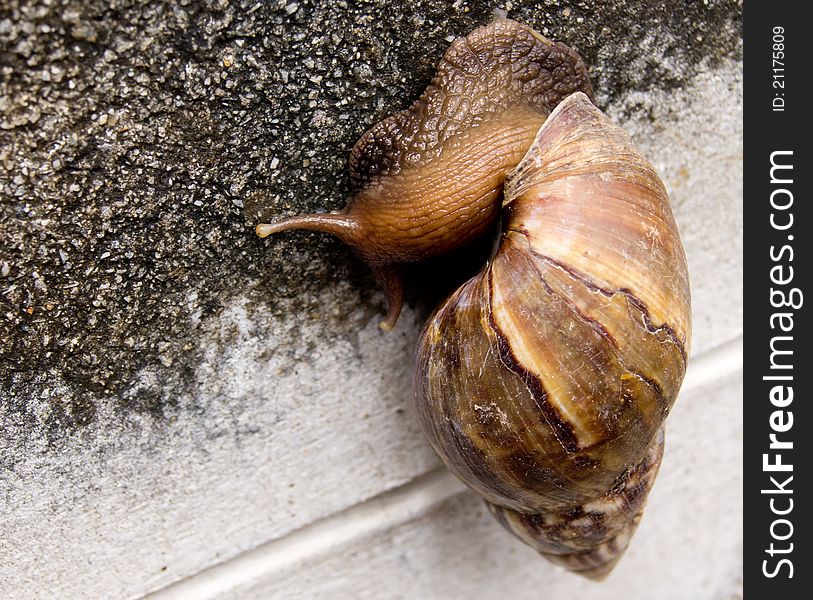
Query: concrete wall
x=191 y=411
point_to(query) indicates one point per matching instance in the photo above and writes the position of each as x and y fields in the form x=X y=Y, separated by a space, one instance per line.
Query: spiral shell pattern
x=543 y=382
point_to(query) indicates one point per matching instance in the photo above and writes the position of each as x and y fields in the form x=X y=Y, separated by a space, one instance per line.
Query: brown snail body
x=429 y=179
x=543 y=382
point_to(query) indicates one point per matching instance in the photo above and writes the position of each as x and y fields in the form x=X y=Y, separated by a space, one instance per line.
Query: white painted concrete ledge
x=407 y=503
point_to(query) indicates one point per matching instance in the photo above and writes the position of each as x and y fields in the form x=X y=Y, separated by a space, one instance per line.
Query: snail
x=543 y=382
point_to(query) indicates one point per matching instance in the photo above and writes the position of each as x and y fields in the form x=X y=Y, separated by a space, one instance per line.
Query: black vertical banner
x=778 y=266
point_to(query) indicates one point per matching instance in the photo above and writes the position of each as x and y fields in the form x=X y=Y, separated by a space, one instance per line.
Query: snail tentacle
x=393 y=283
x=342 y=226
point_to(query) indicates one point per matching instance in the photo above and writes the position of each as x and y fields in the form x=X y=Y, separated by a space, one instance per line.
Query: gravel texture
x=140 y=143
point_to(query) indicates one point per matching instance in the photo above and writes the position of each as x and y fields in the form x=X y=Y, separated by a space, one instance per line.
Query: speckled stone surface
x=169 y=383
x=138 y=142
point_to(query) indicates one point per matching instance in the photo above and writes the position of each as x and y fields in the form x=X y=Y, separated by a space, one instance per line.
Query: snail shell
x=429 y=179
x=543 y=382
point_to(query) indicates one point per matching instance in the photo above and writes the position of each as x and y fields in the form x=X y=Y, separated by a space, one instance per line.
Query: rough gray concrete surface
x=139 y=142
x=139 y=145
